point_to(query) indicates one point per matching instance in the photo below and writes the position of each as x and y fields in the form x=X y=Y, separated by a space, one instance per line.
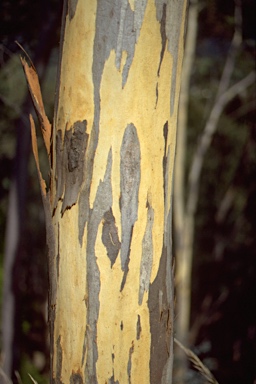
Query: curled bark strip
x=35 y=92
x=35 y=153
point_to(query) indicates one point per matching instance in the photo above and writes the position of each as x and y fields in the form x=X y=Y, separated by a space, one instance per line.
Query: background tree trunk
x=186 y=203
x=108 y=210
x=183 y=227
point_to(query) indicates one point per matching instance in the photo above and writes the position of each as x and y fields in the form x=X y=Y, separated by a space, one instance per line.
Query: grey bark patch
x=84 y=347
x=126 y=42
x=76 y=378
x=78 y=138
x=129 y=186
x=118 y=32
x=139 y=12
x=59 y=362
x=138 y=328
x=112 y=380
x=172 y=26
x=101 y=205
x=110 y=236
x=160 y=299
x=105 y=37
x=72 y=8
x=160 y=304
x=84 y=208
x=173 y=30
x=121 y=32
x=147 y=254
x=75 y=145
x=126 y=39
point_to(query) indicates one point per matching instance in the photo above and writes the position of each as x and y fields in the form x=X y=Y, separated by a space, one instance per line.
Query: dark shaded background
x=223 y=316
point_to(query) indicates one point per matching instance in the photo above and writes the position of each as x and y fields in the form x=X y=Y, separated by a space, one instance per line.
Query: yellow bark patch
x=76 y=86
x=71 y=296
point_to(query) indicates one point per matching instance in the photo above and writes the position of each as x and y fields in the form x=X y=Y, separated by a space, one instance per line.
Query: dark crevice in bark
x=112 y=380
x=163 y=37
x=129 y=364
x=76 y=378
x=139 y=329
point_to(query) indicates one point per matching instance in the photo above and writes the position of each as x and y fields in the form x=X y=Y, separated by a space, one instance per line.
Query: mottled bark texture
x=109 y=211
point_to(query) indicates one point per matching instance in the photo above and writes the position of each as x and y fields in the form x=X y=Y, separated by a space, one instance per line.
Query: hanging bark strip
x=109 y=203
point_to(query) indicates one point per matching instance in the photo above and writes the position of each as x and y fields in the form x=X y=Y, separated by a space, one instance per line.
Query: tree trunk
x=108 y=210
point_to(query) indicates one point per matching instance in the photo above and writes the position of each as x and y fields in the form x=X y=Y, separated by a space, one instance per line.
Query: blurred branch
x=4 y=377
x=33 y=380
x=225 y=205
x=223 y=97
x=208 y=132
x=233 y=51
x=198 y=364
x=208 y=314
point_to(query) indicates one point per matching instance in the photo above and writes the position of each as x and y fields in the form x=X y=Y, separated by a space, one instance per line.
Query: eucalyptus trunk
x=108 y=209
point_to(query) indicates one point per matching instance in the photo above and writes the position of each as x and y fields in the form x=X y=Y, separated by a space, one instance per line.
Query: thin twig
x=18 y=377
x=4 y=376
x=35 y=382
x=233 y=51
